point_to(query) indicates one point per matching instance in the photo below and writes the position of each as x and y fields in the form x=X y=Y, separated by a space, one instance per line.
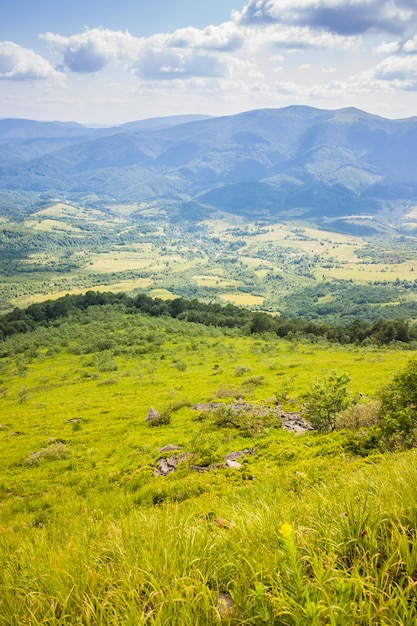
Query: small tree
x=398 y=412
x=325 y=399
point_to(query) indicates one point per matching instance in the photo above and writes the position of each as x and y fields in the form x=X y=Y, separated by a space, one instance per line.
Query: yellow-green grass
x=50 y=225
x=215 y=281
x=363 y=273
x=302 y=534
x=242 y=299
x=61 y=209
x=121 y=261
x=112 y=394
x=255 y=262
x=122 y=285
x=303 y=541
x=163 y=294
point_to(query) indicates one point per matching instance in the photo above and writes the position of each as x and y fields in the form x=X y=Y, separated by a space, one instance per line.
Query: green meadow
x=305 y=531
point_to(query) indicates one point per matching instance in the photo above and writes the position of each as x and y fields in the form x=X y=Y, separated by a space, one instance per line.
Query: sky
x=110 y=62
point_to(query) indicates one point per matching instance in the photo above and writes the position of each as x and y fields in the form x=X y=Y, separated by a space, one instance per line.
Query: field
x=286 y=267
x=304 y=531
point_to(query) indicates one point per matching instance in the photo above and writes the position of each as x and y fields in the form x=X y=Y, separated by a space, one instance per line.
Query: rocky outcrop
x=295 y=423
x=232 y=456
x=290 y=421
x=153 y=415
x=229 y=461
x=170 y=447
x=164 y=467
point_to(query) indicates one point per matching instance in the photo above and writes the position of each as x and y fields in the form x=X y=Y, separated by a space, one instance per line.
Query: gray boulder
x=164 y=467
x=152 y=415
x=170 y=448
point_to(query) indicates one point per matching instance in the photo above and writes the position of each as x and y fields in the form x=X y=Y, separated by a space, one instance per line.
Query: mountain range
x=273 y=164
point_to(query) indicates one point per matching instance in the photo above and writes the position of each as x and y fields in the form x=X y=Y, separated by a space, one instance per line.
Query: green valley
x=293 y=267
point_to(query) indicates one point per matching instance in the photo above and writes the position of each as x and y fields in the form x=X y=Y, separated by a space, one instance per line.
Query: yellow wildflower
x=286 y=530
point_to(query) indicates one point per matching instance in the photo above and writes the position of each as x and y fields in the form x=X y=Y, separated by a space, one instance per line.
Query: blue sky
x=102 y=61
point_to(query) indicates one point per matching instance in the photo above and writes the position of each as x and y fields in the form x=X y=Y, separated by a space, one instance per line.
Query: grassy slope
x=90 y=536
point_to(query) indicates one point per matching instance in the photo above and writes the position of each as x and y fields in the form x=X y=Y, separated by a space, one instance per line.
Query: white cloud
x=186 y=53
x=411 y=45
x=387 y=47
x=21 y=64
x=168 y=64
x=391 y=75
x=303 y=37
x=224 y=38
x=401 y=69
x=93 y=49
x=344 y=17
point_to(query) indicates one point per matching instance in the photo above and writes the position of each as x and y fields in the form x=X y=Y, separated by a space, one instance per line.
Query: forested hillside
x=263 y=164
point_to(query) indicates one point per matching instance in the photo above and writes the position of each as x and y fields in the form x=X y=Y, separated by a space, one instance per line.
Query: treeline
x=210 y=314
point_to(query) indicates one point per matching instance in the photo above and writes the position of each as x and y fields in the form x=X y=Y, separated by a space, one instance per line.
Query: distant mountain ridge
x=267 y=163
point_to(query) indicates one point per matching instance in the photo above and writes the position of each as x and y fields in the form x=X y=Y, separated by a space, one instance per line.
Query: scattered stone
x=290 y=421
x=207 y=468
x=224 y=605
x=170 y=448
x=233 y=464
x=232 y=456
x=153 y=415
x=210 y=406
x=295 y=423
x=164 y=467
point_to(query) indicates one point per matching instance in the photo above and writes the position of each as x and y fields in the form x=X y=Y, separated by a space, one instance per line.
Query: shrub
x=55 y=451
x=163 y=419
x=240 y=370
x=254 y=422
x=358 y=416
x=325 y=399
x=398 y=411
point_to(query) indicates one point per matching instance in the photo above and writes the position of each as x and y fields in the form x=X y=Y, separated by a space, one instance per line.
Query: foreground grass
x=342 y=552
x=302 y=534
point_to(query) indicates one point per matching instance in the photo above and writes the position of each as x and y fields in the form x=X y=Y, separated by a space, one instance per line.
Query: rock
x=290 y=421
x=232 y=456
x=295 y=423
x=224 y=605
x=210 y=406
x=169 y=448
x=207 y=468
x=152 y=415
x=164 y=467
x=233 y=464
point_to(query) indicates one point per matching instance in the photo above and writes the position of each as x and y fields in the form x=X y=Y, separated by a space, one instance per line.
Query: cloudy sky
x=108 y=61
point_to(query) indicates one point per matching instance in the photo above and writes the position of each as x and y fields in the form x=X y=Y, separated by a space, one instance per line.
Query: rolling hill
x=275 y=163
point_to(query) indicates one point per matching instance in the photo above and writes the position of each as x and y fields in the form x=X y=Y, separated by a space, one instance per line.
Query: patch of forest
x=381 y=332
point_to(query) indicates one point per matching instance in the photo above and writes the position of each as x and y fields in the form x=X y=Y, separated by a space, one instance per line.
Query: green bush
x=162 y=420
x=325 y=400
x=358 y=416
x=398 y=411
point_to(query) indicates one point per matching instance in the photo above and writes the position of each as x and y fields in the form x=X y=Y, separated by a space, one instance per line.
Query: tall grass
x=343 y=552
x=300 y=535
